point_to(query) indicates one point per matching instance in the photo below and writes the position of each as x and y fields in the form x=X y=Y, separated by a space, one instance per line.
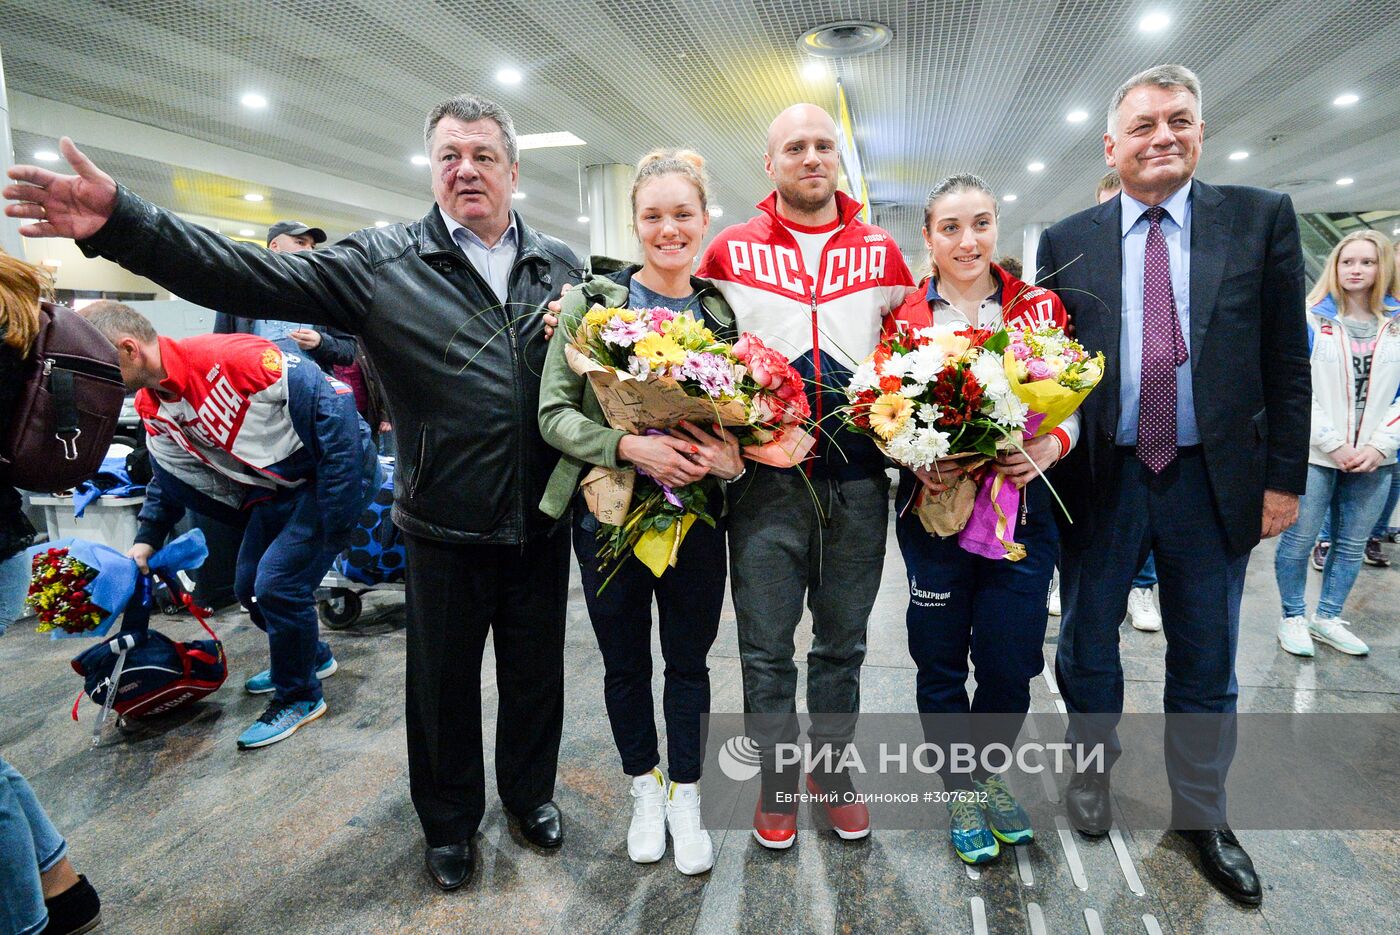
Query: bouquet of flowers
x=1052 y=373
x=947 y=393
x=937 y=394
x=79 y=588
x=652 y=369
x=60 y=593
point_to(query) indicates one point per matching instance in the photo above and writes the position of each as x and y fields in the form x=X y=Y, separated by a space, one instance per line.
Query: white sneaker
x=1142 y=610
x=1333 y=631
x=1054 y=603
x=695 y=852
x=1293 y=636
x=646 y=836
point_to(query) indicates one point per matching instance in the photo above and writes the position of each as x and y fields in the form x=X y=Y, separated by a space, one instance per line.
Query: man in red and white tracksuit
x=243 y=431
x=813 y=281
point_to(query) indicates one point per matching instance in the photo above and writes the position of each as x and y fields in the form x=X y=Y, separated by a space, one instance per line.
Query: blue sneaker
x=972 y=839
x=1005 y=816
x=261 y=684
x=279 y=722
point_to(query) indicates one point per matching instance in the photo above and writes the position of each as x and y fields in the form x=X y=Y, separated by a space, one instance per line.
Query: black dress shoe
x=542 y=826
x=451 y=865
x=1226 y=864
x=1088 y=804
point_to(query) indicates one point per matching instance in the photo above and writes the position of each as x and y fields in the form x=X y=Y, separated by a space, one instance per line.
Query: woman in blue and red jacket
x=963 y=605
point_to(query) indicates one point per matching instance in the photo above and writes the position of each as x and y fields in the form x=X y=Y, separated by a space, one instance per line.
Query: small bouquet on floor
x=946 y=393
x=652 y=369
x=80 y=588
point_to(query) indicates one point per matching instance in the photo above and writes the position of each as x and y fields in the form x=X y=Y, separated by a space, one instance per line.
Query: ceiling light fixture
x=1155 y=21
x=509 y=76
x=547 y=140
x=583 y=219
x=1077 y=116
x=246 y=232
x=252 y=196
x=46 y=155
x=253 y=101
x=814 y=71
x=1035 y=167
x=1239 y=154
x=1344 y=100
x=1345 y=180
x=418 y=159
x=845 y=38
x=518 y=196
x=381 y=223
x=1008 y=197
x=715 y=211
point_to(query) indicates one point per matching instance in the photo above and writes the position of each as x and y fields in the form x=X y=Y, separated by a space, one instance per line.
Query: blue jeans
x=14 y=585
x=1147 y=574
x=1354 y=501
x=29 y=845
x=1382 y=528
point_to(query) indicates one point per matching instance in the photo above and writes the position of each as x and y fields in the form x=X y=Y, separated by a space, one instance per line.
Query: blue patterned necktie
x=1163 y=350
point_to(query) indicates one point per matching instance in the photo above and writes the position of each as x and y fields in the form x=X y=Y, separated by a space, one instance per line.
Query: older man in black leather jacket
x=447 y=310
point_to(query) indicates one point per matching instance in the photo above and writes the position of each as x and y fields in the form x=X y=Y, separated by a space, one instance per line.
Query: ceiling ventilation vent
x=846 y=38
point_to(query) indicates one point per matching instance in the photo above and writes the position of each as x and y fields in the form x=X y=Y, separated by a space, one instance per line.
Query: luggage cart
x=340 y=602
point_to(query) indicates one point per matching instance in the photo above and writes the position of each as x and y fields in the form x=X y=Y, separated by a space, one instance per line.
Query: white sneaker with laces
x=1142 y=610
x=646 y=836
x=694 y=851
x=1333 y=631
x=1054 y=603
x=1293 y=636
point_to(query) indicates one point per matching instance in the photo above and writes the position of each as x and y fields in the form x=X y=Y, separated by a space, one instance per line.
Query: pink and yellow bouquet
x=652 y=369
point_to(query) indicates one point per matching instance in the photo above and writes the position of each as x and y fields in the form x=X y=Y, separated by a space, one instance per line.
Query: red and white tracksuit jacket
x=826 y=324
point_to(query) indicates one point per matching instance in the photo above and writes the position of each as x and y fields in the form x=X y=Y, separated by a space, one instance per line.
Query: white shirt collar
x=1175 y=207
x=510 y=236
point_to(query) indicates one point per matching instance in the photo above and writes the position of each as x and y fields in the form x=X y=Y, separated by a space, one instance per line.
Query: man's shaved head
x=803 y=163
x=796 y=118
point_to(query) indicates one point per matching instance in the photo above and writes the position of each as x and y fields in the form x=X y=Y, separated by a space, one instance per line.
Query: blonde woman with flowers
x=1354 y=339
x=669 y=213
x=963 y=605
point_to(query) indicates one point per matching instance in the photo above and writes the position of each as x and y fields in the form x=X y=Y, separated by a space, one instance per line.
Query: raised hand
x=74 y=206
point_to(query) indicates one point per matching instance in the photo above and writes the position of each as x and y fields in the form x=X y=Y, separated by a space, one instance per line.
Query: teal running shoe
x=972 y=839
x=1005 y=816
x=279 y=722
x=261 y=684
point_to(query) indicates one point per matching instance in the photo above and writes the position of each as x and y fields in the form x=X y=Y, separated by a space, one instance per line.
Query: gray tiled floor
x=181 y=833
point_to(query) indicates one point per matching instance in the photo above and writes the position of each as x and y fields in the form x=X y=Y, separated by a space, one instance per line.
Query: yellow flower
x=888 y=415
x=598 y=316
x=948 y=343
x=688 y=332
x=659 y=351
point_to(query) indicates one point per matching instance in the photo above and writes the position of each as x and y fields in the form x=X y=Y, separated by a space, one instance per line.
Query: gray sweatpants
x=782 y=550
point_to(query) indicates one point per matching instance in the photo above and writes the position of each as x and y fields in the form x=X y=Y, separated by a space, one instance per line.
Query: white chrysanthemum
x=896 y=366
x=989 y=371
x=927 y=413
x=924 y=364
x=1009 y=410
x=864 y=378
x=918 y=448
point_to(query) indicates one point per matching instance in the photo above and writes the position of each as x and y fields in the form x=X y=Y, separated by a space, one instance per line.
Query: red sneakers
x=774 y=830
x=850 y=820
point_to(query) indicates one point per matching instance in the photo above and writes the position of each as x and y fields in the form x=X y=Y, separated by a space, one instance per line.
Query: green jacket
x=570 y=418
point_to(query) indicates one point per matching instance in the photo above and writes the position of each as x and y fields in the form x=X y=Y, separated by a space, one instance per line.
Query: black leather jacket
x=461 y=372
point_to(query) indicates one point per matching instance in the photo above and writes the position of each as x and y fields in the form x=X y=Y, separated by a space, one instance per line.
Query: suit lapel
x=1210 y=239
x=1103 y=252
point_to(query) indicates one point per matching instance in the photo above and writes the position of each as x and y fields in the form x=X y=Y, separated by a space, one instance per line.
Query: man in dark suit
x=1194 y=446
